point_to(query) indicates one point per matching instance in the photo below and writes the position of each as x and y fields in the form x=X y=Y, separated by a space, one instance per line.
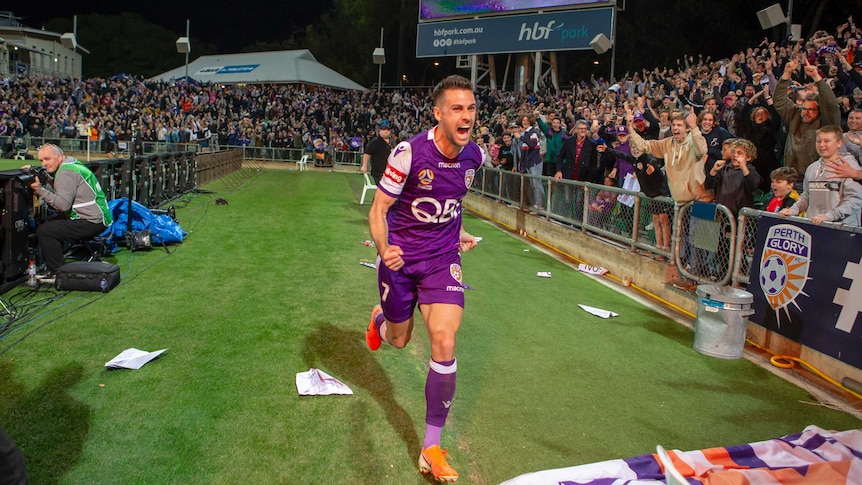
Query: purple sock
x=439 y=391
x=378 y=321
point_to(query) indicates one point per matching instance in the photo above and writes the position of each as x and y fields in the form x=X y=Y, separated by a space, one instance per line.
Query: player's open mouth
x=463 y=130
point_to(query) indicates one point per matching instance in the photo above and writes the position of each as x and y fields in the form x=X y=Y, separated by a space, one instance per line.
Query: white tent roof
x=286 y=67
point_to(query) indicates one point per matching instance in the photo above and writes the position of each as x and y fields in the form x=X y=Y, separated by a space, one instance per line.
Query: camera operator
x=78 y=197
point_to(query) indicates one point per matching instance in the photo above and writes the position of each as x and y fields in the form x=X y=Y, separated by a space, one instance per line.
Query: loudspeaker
x=795 y=31
x=771 y=16
x=600 y=44
x=183 y=45
x=69 y=41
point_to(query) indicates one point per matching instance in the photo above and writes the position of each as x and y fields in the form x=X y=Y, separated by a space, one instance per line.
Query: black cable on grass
x=48 y=322
x=28 y=309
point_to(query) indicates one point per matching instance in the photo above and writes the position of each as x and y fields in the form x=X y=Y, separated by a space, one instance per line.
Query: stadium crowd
x=751 y=94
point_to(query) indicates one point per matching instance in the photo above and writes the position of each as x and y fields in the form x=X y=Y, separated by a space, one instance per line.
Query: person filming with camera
x=79 y=199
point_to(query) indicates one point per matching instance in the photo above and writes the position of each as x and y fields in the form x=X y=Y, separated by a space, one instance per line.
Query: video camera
x=32 y=173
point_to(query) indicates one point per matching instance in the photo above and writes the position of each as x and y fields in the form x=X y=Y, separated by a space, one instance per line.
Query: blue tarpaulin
x=163 y=229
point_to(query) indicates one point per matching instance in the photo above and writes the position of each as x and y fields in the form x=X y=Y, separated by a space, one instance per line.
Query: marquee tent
x=280 y=67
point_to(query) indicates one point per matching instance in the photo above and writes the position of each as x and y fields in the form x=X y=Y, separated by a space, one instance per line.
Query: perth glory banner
x=807 y=285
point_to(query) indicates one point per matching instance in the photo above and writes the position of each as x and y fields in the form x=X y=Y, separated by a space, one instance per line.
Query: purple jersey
x=426 y=219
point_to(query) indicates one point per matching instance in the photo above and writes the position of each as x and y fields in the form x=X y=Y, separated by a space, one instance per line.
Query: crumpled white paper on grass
x=315 y=382
x=132 y=359
x=598 y=311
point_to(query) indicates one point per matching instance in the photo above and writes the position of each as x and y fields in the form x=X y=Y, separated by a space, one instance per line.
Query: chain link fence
x=705 y=234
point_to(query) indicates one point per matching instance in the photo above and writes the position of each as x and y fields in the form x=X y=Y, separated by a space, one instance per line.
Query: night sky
x=230 y=25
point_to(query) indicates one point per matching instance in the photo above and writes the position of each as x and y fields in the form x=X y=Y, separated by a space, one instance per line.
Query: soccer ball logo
x=773 y=275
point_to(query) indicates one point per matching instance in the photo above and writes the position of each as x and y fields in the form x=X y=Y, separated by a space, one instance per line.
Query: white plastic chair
x=369 y=185
x=672 y=475
x=302 y=164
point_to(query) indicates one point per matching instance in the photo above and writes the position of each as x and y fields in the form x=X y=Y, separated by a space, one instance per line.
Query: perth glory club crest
x=784 y=266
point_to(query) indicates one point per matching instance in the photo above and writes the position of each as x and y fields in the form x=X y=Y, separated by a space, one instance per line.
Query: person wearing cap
x=377 y=151
x=646 y=128
x=622 y=168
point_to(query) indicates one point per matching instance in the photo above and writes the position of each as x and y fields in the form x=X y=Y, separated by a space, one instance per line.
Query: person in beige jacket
x=683 y=153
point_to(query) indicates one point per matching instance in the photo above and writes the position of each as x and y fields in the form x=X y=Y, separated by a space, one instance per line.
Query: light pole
x=379 y=57
x=184 y=47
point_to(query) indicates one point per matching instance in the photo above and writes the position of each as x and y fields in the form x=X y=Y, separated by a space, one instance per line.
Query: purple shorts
x=437 y=280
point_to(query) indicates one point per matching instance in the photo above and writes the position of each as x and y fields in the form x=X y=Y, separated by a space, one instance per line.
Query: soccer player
x=415 y=221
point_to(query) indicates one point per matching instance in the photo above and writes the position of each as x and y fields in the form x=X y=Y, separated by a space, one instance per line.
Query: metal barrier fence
x=87 y=149
x=710 y=245
x=213 y=166
x=92 y=148
x=628 y=218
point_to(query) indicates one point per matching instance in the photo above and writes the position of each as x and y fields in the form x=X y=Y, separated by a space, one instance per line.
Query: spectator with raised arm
x=555 y=133
x=760 y=124
x=803 y=122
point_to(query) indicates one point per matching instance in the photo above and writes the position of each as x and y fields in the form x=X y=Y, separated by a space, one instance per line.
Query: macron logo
x=446 y=404
x=394 y=175
x=398 y=149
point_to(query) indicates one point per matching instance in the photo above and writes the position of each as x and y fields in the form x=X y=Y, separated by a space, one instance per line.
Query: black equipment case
x=88 y=276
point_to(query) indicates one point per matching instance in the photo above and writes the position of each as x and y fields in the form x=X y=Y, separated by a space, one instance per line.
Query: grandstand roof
x=284 y=67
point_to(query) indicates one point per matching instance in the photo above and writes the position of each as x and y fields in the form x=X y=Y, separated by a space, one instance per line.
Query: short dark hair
x=450 y=82
x=788 y=174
